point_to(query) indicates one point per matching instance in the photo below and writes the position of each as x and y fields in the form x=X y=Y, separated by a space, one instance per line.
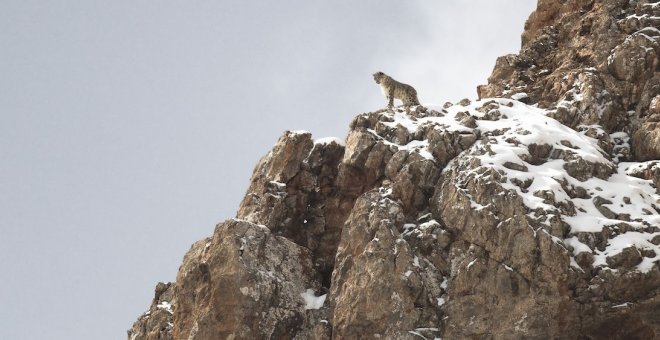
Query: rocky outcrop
x=646 y=138
x=294 y=192
x=589 y=62
x=246 y=283
x=156 y=323
x=532 y=215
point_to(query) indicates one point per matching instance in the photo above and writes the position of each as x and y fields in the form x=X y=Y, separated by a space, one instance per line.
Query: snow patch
x=165 y=305
x=311 y=300
x=329 y=140
x=471 y=263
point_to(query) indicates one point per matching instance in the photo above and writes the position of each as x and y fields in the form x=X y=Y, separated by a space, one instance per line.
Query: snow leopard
x=393 y=89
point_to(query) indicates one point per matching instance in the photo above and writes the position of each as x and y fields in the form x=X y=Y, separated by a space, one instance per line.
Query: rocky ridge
x=590 y=62
x=531 y=214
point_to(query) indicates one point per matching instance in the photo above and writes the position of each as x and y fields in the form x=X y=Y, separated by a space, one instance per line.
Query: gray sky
x=128 y=129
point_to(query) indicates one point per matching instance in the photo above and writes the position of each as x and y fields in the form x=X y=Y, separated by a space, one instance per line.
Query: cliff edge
x=533 y=212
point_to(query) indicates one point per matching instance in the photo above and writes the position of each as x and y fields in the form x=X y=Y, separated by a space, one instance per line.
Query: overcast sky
x=128 y=129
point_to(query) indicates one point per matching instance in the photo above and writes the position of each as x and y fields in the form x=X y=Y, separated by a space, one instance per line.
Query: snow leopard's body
x=393 y=89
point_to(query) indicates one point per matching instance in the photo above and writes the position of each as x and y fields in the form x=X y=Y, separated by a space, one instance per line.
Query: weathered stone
x=244 y=282
x=515 y=166
x=646 y=142
x=573 y=59
x=156 y=323
x=469 y=122
x=599 y=202
x=385 y=290
x=628 y=258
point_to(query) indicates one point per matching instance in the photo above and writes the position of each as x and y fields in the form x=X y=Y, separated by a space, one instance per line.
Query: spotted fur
x=393 y=89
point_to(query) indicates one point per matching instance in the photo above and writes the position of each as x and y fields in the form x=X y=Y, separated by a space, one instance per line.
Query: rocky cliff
x=533 y=212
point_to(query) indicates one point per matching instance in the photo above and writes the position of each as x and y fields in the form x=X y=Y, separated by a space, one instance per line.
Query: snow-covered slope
x=555 y=170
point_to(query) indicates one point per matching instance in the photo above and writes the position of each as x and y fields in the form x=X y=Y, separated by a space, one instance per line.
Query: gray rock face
x=518 y=217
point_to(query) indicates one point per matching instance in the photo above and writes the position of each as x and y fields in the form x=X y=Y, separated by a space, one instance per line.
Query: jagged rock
x=490 y=287
x=469 y=122
x=382 y=291
x=415 y=182
x=156 y=323
x=600 y=203
x=591 y=62
x=646 y=141
x=246 y=283
x=654 y=106
x=647 y=170
x=635 y=57
x=628 y=258
x=292 y=192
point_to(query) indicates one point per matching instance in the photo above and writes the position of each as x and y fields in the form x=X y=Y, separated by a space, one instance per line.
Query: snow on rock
x=166 y=306
x=300 y=132
x=427 y=131
x=311 y=300
x=329 y=140
x=557 y=171
x=554 y=169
